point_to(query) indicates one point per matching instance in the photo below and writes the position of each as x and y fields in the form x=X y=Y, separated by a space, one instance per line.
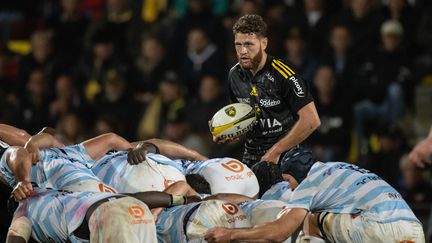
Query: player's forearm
x=13 y=136
x=156 y=199
x=117 y=142
x=260 y=233
x=175 y=150
x=308 y=122
x=19 y=161
x=43 y=140
x=100 y=145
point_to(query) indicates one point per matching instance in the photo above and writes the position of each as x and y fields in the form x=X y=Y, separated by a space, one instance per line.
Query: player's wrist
x=177 y=200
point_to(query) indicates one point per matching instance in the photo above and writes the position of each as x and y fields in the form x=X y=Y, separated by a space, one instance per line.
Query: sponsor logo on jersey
x=269 y=103
x=230 y=111
x=136 y=211
x=254 y=91
x=244 y=100
x=269 y=76
x=298 y=89
x=234 y=166
x=105 y=188
x=230 y=208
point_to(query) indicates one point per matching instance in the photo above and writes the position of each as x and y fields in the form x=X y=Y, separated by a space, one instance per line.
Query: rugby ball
x=232 y=120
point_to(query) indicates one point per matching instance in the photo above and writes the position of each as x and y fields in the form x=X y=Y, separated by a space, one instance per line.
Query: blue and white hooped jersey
x=339 y=187
x=114 y=170
x=279 y=191
x=55 y=215
x=225 y=175
x=57 y=168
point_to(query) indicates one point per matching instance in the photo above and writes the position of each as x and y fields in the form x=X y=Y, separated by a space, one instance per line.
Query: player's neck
x=261 y=65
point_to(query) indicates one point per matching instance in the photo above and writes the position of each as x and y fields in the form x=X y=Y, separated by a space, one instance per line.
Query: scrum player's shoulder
x=282 y=69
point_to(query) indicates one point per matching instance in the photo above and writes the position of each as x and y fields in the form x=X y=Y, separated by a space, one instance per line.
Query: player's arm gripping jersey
x=276 y=92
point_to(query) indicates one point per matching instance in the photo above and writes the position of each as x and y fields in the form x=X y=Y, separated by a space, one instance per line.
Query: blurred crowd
x=158 y=68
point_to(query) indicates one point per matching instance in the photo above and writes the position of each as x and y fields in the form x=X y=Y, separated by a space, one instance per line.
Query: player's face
x=250 y=49
x=292 y=182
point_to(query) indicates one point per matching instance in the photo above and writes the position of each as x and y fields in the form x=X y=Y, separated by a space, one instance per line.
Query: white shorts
x=124 y=219
x=348 y=228
x=214 y=213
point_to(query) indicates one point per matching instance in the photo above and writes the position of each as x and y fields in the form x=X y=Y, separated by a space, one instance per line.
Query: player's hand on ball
x=225 y=140
x=137 y=155
x=271 y=156
x=22 y=190
x=218 y=234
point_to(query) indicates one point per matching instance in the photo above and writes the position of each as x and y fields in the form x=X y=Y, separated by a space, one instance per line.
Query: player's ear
x=264 y=41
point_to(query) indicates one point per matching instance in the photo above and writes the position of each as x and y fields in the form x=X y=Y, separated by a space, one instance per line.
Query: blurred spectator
x=361 y=19
x=341 y=57
x=69 y=26
x=166 y=106
x=106 y=123
x=318 y=22
x=384 y=82
x=198 y=15
x=33 y=112
x=244 y=7
x=149 y=68
x=331 y=141
x=209 y=100
x=66 y=98
x=40 y=58
x=95 y=68
x=421 y=154
x=416 y=189
x=401 y=11
x=71 y=128
x=115 y=100
x=296 y=54
x=385 y=162
x=202 y=58
x=274 y=14
x=123 y=25
x=179 y=131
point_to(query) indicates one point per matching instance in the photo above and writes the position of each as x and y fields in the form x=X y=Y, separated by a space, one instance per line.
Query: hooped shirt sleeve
x=294 y=90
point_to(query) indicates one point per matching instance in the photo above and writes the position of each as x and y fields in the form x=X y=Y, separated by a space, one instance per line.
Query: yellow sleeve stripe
x=288 y=69
x=280 y=71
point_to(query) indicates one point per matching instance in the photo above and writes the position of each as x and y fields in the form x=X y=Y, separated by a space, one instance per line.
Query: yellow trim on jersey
x=286 y=66
x=280 y=71
x=254 y=91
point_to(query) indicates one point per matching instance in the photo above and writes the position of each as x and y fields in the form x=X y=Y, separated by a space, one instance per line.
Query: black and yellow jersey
x=277 y=93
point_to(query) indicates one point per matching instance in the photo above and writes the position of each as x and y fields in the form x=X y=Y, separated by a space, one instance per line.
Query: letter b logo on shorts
x=234 y=166
x=230 y=208
x=136 y=211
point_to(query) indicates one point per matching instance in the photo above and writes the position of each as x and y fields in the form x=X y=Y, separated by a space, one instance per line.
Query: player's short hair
x=250 y=23
x=297 y=162
x=267 y=174
x=198 y=183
